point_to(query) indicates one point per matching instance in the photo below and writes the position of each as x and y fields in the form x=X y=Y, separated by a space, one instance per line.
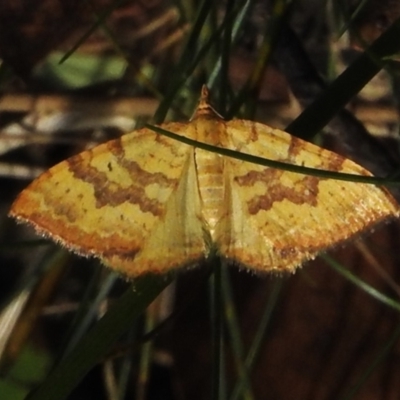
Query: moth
x=146 y=203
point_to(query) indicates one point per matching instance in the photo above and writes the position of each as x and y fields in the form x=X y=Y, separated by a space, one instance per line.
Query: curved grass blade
x=277 y=164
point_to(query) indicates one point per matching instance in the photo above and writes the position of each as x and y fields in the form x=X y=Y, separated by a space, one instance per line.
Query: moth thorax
x=210 y=180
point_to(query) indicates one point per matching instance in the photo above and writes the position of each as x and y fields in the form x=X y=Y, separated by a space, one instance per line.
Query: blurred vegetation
x=74 y=74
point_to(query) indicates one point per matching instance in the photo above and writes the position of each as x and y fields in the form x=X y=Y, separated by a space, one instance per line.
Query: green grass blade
x=216 y=325
x=347 y=85
x=361 y=284
x=258 y=338
x=393 y=340
x=96 y=344
x=235 y=335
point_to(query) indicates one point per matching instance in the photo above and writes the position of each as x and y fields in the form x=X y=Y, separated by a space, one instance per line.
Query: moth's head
x=204 y=108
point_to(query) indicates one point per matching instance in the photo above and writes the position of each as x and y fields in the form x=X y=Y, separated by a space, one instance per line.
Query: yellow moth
x=146 y=203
